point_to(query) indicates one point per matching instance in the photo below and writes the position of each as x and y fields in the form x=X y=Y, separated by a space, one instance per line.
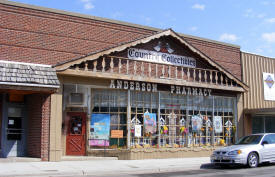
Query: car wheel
x=252 y=160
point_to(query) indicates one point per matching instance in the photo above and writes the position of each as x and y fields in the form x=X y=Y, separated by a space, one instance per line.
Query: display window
x=159 y=120
x=144 y=119
x=225 y=127
x=182 y=121
x=109 y=113
x=172 y=120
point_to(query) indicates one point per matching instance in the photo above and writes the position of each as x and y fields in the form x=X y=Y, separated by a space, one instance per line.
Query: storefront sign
x=138 y=86
x=100 y=130
x=116 y=133
x=190 y=91
x=159 y=57
x=138 y=131
x=269 y=86
x=217 y=124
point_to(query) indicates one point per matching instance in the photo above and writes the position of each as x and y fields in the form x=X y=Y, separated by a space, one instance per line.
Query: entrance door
x=76 y=141
x=13 y=132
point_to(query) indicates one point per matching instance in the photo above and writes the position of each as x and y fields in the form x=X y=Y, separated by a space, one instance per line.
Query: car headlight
x=236 y=152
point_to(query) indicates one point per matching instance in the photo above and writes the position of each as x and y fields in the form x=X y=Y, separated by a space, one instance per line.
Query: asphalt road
x=212 y=171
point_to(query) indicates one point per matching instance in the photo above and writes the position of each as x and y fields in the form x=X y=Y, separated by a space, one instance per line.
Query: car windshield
x=252 y=139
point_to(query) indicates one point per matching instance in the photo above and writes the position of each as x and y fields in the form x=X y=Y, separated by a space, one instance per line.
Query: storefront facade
x=126 y=90
x=25 y=109
x=140 y=97
x=157 y=93
x=259 y=101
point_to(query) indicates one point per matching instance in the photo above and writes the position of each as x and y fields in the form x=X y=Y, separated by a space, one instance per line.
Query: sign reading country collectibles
x=159 y=57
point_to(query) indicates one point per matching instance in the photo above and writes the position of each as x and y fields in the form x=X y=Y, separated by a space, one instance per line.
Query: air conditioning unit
x=76 y=99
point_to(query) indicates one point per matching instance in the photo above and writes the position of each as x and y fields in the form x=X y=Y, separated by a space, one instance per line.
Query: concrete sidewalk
x=100 y=167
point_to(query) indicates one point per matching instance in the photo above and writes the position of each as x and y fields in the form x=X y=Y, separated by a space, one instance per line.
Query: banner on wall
x=100 y=130
x=196 y=123
x=217 y=124
x=269 y=86
x=150 y=123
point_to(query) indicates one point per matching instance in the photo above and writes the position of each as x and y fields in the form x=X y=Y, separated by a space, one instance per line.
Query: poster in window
x=217 y=124
x=196 y=123
x=150 y=123
x=116 y=133
x=100 y=130
x=138 y=131
x=269 y=86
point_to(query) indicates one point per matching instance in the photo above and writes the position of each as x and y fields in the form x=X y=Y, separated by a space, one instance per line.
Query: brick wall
x=226 y=56
x=38 y=122
x=31 y=35
x=50 y=38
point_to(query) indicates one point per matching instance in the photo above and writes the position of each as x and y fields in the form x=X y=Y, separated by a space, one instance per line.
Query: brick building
x=149 y=87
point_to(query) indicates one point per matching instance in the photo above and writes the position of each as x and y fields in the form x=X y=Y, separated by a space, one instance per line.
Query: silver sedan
x=250 y=150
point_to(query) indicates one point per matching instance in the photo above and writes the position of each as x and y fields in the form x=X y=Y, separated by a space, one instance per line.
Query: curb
x=102 y=168
x=107 y=173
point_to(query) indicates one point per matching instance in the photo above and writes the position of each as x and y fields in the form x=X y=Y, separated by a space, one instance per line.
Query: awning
x=27 y=75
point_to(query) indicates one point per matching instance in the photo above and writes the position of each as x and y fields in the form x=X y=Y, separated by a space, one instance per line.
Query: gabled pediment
x=184 y=67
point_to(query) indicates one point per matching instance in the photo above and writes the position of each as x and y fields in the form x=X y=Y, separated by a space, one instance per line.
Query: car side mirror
x=264 y=142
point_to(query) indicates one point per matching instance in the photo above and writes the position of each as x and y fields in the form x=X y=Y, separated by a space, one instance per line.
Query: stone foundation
x=150 y=153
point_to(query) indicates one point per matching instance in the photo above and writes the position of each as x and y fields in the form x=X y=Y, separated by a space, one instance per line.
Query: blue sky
x=247 y=23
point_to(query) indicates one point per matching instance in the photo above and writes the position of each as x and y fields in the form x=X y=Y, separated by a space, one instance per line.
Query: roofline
x=29 y=85
x=11 y=3
x=249 y=53
x=168 y=32
x=23 y=63
x=209 y=40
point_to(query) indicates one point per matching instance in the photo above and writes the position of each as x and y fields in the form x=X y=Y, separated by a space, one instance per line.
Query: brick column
x=45 y=129
x=38 y=126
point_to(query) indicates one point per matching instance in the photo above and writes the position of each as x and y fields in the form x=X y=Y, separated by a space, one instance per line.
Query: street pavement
x=101 y=167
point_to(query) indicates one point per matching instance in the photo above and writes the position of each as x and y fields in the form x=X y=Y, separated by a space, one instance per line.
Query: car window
x=252 y=139
x=270 y=139
x=267 y=139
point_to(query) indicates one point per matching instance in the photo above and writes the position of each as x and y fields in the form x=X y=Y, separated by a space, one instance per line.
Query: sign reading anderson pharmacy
x=149 y=87
x=159 y=57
